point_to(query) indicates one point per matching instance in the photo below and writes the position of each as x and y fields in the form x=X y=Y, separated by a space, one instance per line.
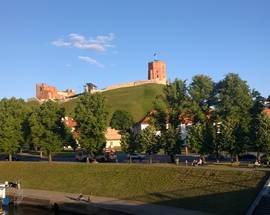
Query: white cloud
x=91 y=61
x=100 y=43
x=61 y=43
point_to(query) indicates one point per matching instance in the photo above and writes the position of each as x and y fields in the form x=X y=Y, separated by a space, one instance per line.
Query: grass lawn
x=135 y=100
x=212 y=190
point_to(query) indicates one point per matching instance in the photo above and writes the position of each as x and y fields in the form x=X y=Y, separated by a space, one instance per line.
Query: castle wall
x=132 y=84
x=45 y=92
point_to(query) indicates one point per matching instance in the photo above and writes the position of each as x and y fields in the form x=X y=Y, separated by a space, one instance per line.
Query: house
x=142 y=124
x=113 y=140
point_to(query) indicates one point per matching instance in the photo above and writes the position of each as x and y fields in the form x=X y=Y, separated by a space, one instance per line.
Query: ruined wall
x=45 y=92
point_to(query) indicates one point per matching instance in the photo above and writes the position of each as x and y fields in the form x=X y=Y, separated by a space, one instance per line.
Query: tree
x=171 y=142
x=229 y=138
x=263 y=134
x=160 y=114
x=148 y=140
x=201 y=91
x=201 y=138
x=31 y=106
x=233 y=107
x=256 y=110
x=121 y=120
x=12 y=115
x=47 y=131
x=178 y=102
x=92 y=119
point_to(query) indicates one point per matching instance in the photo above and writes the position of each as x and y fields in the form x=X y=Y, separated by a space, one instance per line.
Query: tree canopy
x=92 y=120
x=12 y=117
x=121 y=120
x=47 y=129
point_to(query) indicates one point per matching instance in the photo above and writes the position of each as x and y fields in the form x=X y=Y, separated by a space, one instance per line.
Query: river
x=27 y=210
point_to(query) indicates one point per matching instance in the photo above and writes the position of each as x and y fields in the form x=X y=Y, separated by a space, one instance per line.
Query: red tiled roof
x=112 y=134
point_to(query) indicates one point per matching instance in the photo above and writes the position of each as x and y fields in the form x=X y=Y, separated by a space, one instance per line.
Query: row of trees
x=40 y=127
x=226 y=116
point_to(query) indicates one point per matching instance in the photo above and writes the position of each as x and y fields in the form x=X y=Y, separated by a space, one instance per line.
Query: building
x=157 y=70
x=143 y=123
x=113 y=140
x=90 y=88
x=45 y=93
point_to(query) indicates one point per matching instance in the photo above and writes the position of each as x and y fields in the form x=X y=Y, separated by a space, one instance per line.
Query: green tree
x=31 y=106
x=201 y=91
x=125 y=142
x=148 y=140
x=178 y=102
x=47 y=131
x=130 y=142
x=233 y=107
x=92 y=119
x=201 y=138
x=12 y=116
x=263 y=134
x=229 y=138
x=160 y=114
x=171 y=142
x=257 y=108
x=121 y=120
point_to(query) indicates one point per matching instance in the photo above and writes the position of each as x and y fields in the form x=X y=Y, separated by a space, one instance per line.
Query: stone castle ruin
x=45 y=93
x=156 y=75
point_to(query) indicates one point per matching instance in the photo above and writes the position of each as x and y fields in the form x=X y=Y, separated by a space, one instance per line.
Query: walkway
x=70 y=202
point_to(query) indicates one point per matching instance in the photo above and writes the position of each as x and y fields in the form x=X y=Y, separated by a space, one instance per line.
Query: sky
x=69 y=43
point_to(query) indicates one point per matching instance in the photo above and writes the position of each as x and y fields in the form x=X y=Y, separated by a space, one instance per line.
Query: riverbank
x=85 y=204
x=211 y=190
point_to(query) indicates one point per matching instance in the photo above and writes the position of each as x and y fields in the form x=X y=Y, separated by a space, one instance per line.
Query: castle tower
x=157 y=70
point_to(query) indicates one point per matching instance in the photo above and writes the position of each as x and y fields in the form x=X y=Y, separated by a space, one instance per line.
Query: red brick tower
x=156 y=70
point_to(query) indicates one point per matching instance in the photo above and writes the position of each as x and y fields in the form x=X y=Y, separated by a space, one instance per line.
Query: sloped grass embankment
x=212 y=190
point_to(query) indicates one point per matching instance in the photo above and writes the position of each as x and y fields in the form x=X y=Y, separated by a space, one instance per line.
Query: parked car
x=135 y=156
x=81 y=155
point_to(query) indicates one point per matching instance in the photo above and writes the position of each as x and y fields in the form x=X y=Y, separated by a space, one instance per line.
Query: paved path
x=124 y=206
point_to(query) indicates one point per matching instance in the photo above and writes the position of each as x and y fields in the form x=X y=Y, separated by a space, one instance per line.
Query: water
x=28 y=210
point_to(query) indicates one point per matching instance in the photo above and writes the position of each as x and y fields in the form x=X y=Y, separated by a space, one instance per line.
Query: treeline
x=41 y=127
x=226 y=116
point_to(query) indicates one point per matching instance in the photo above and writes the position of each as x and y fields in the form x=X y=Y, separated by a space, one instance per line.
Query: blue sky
x=69 y=43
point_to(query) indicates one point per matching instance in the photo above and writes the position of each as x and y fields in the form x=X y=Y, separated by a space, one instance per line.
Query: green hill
x=135 y=100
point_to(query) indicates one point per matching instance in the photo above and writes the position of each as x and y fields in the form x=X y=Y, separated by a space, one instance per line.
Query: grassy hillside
x=136 y=100
x=219 y=191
